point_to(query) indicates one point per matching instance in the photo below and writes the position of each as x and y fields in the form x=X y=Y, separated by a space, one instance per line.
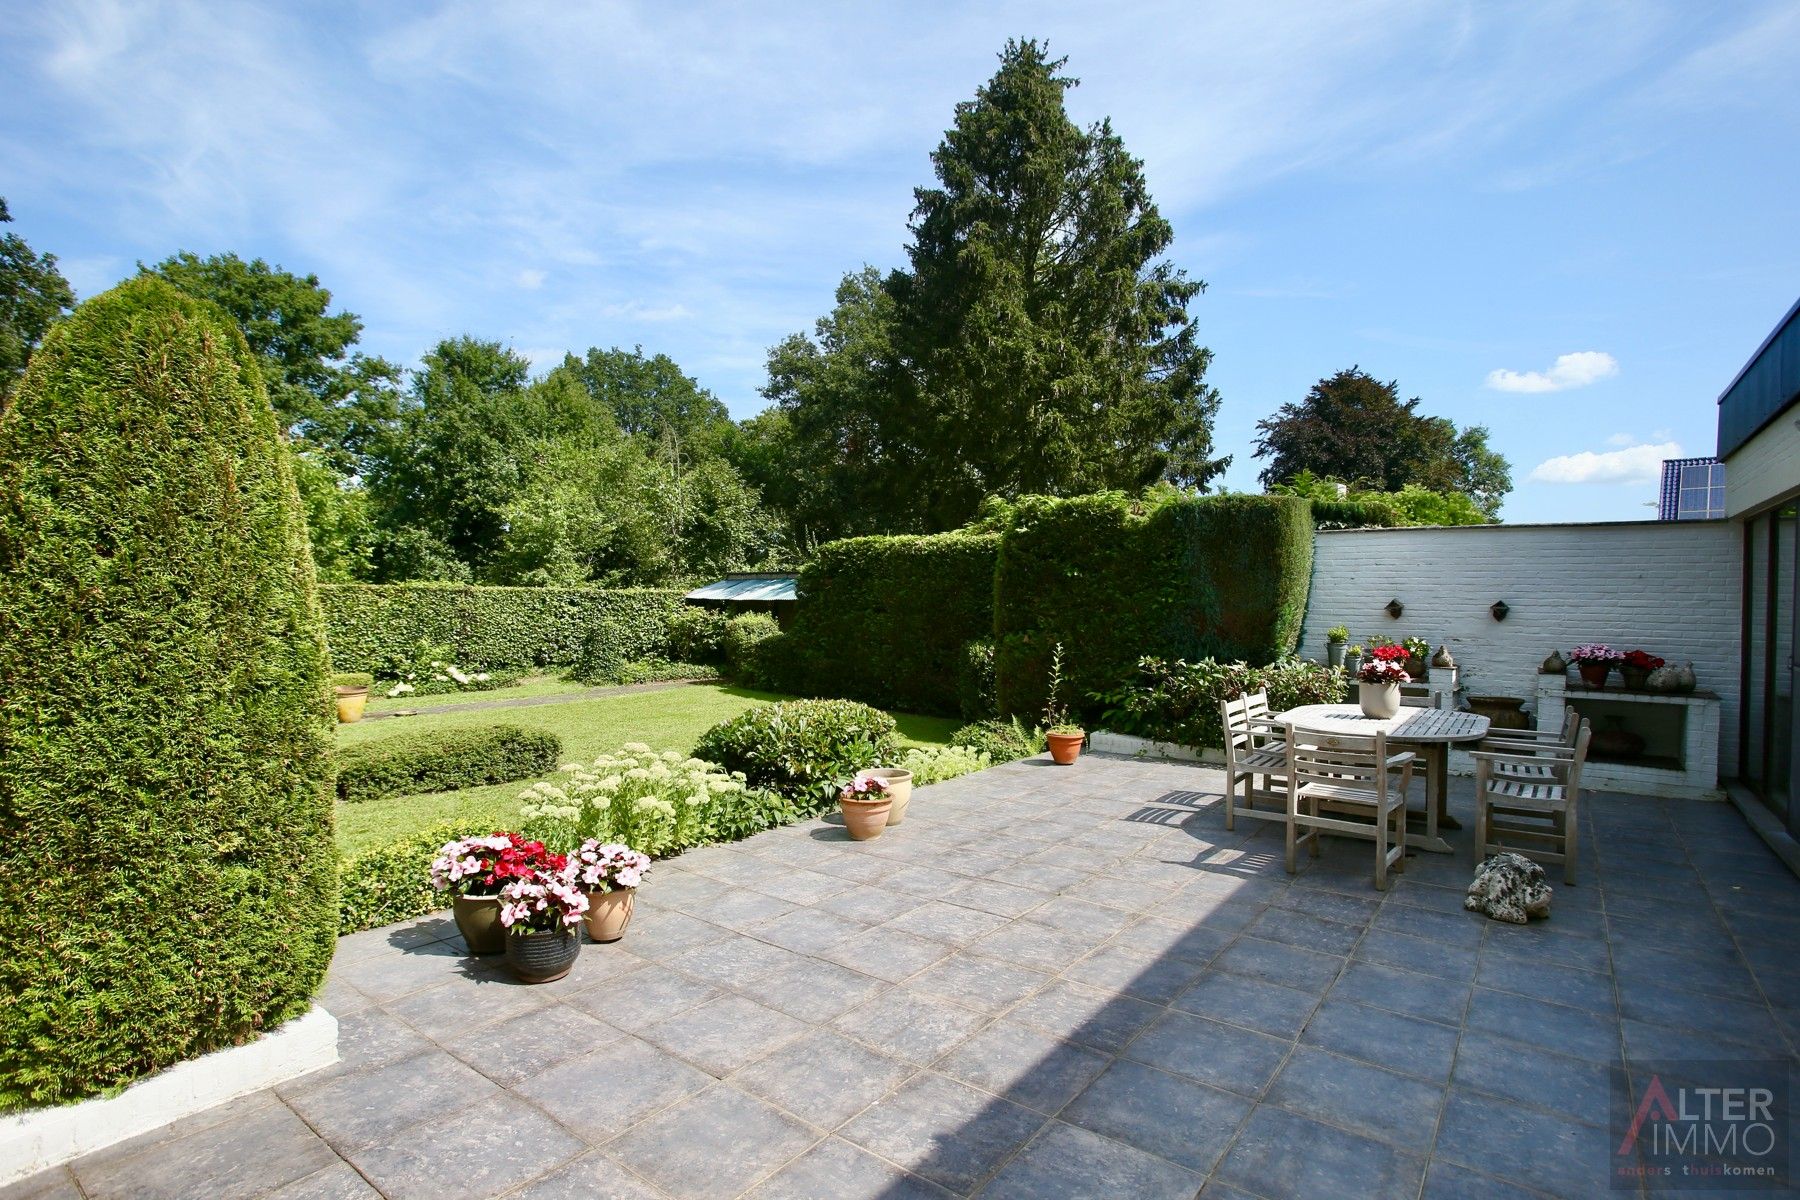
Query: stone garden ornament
x=1509 y=887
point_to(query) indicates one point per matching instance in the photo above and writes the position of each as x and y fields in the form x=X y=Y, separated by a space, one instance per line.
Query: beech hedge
x=444 y=760
x=165 y=744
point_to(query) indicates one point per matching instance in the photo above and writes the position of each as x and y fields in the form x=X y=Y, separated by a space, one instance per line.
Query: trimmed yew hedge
x=1115 y=580
x=444 y=760
x=883 y=619
x=165 y=740
x=371 y=626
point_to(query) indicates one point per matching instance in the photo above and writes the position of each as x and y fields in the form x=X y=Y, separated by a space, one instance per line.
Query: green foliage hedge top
x=372 y=626
x=1178 y=702
x=805 y=749
x=443 y=760
x=165 y=770
x=1115 y=579
x=884 y=619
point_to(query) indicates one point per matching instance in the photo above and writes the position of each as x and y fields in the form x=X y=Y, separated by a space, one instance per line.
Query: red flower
x=1389 y=653
x=1642 y=660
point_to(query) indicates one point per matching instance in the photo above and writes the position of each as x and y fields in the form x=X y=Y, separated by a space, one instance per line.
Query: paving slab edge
x=49 y=1137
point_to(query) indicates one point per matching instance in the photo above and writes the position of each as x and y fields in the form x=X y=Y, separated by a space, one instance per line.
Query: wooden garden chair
x=1255 y=749
x=1532 y=754
x=1343 y=784
x=1531 y=804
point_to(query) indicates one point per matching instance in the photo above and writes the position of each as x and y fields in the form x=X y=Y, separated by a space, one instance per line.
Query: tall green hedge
x=165 y=738
x=371 y=625
x=883 y=619
x=1115 y=580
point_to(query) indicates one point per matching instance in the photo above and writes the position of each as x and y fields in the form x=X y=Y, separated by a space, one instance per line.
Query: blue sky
x=1571 y=222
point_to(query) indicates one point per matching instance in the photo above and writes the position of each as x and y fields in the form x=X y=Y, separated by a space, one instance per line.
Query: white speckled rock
x=1509 y=887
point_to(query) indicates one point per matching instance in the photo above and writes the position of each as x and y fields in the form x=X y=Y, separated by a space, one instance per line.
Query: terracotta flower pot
x=1065 y=748
x=350 y=702
x=609 y=912
x=478 y=920
x=1379 y=700
x=542 y=955
x=1594 y=673
x=865 y=819
x=899 y=786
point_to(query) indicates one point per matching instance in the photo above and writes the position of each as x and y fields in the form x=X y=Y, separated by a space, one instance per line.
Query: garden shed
x=773 y=592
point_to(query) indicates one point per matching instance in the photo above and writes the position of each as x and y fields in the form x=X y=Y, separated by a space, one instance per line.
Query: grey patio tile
x=638 y=1080
x=1305 y=930
x=339 y=1181
x=824 y=1079
x=1333 y=906
x=1453 y=929
x=1555 y=1027
x=444 y=1011
x=943 y=922
x=799 y=886
x=909 y=1025
x=1360 y=1097
x=1209 y=1051
x=262 y=1146
x=945 y=1131
x=340 y=999
x=642 y=998
x=1044 y=877
x=1447 y=1181
x=1027 y=1066
x=1154 y=977
x=1160 y=935
x=1419 y=894
x=365 y=1039
x=1455 y=963
x=927 y=883
x=1537 y=1149
x=870 y=905
x=388 y=975
x=1278 y=962
x=724 y=1034
x=857 y=868
x=1527 y=1075
x=1282 y=1154
x=58 y=1183
x=513 y=1050
x=977 y=982
x=1716 y=1015
x=717 y=1143
x=1031 y=945
x=1726 y=976
x=887 y=954
x=590 y=1177
x=1066 y=1163
x=662 y=935
x=814 y=990
x=1001 y=899
x=1547 y=981
x=1167 y=1115
x=368 y=1106
x=1393 y=1040
x=1407 y=992
x=1648 y=1041
x=595 y=964
x=806 y=931
x=1076 y=915
x=484 y=1153
x=1253 y=1003
x=734 y=962
x=1090 y=1016
x=740 y=908
x=1545 y=942
x=685 y=891
x=839 y=1170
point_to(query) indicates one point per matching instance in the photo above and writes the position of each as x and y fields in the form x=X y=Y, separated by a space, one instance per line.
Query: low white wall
x=1670 y=587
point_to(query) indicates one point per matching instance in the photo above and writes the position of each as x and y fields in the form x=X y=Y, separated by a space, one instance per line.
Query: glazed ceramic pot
x=1594 y=673
x=350 y=702
x=865 y=819
x=1065 y=748
x=478 y=920
x=899 y=788
x=539 y=956
x=1379 y=700
x=608 y=913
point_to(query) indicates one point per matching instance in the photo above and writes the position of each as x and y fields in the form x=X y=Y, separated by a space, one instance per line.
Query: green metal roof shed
x=748 y=588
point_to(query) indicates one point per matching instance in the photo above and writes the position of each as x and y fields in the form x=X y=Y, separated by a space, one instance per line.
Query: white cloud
x=1568 y=371
x=531 y=279
x=637 y=310
x=1631 y=464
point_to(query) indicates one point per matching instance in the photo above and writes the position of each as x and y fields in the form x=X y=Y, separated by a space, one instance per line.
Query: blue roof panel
x=755 y=590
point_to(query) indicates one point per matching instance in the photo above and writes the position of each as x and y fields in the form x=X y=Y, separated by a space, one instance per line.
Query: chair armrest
x=1524 y=735
x=1267 y=723
x=1521 y=760
x=1401 y=759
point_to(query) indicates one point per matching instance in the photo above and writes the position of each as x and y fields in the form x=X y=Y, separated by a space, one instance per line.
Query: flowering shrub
x=605 y=866
x=934 y=764
x=1640 y=660
x=1383 y=670
x=1178 y=701
x=546 y=900
x=864 y=787
x=655 y=802
x=483 y=866
x=1595 y=652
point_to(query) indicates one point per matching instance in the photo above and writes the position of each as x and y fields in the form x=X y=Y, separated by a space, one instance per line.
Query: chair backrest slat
x=1350 y=763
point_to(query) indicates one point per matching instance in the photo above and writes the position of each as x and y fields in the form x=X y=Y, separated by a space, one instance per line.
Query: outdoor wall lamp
x=1499 y=609
x=1395 y=608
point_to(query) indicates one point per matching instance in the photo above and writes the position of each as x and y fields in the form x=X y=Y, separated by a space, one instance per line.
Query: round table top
x=1408 y=725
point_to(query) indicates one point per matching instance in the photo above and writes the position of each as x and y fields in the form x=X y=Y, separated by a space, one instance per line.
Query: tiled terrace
x=1050 y=982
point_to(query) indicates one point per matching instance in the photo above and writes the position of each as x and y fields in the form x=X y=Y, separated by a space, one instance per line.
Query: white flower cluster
x=602 y=866
x=444 y=672
x=401 y=689
x=638 y=796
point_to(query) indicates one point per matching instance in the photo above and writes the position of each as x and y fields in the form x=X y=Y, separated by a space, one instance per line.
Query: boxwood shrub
x=1178 y=702
x=804 y=749
x=392 y=883
x=1114 y=580
x=165 y=744
x=1003 y=741
x=743 y=637
x=444 y=760
x=372 y=627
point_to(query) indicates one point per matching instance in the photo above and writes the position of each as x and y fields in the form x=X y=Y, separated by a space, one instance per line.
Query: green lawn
x=672 y=719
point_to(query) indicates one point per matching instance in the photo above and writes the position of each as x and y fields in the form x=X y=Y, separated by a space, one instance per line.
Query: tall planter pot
x=1379 y=700
x=350 y=702
x=1352 y=664
x=540 y=956
x=899 y=788
x=478 y=920
x=1065 y=748
x=865 y=819
x=1334 y=654
x=609 y=912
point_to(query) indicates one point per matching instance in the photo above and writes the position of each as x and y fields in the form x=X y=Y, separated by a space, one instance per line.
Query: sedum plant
x=934 y=764
x=653 y=802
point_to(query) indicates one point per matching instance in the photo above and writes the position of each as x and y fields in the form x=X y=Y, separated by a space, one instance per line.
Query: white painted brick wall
x=1670 y=587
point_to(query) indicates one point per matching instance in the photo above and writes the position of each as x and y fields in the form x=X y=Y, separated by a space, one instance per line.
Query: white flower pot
x=1379 y=700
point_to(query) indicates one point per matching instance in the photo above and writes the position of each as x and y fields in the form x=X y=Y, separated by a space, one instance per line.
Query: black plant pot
x=539 y=957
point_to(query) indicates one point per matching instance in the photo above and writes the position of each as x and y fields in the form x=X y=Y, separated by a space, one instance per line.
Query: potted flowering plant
x=899 y=785
x=1595 y=661
x=1635 y=667
x=1064 y=737
x=541 y=912
x=866 y=803
x=610 y=873
x=1379 y=680
x=474 y=870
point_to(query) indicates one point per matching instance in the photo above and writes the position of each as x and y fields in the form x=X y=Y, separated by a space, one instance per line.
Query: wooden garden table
x=1429 y=732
